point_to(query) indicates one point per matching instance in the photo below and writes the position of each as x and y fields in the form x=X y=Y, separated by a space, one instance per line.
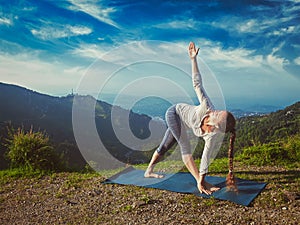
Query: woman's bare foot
x=149 y=174
x=149 y=171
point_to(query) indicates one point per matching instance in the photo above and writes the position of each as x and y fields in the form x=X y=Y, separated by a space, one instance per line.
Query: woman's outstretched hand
x=205 y=187
x=193 y=51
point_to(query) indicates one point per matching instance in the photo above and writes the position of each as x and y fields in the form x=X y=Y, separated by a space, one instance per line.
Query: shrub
x=283 y=152
x=31 y=150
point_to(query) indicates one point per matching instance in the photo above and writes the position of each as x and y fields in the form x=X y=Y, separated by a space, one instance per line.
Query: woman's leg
x=167 y=142
x=178 y=130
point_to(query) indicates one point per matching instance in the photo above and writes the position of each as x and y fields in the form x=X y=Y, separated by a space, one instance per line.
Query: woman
x=206 y=122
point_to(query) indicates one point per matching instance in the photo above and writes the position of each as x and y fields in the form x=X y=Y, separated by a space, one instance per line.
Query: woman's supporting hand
x=205 y=187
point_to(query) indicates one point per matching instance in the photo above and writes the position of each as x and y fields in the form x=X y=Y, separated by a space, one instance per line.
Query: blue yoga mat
x=184 y=182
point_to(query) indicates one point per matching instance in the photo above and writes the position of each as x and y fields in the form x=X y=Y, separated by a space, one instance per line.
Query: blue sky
x=251 y=48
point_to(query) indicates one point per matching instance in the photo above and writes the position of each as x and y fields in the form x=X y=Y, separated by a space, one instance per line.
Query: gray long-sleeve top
x=193 y=115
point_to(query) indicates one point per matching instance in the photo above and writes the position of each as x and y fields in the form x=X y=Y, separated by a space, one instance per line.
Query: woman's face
x=207 y=126
x=217 y=119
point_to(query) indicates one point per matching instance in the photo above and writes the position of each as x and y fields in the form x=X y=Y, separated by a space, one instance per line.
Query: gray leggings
x=175 y=132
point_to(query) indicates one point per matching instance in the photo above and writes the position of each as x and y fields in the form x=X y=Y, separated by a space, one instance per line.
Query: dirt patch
x=71 y=198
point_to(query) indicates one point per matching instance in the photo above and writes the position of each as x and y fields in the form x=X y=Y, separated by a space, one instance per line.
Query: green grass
x=109 y=173
x=281 y=153
x=16 y=173
x=74 y=178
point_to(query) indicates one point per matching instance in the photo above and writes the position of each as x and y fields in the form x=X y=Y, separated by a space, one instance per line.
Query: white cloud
x=157 y=51
x=253 y=73
x=284 y=31
x=242 y=74
x=229 y=58
x=292 y=9
x=6 y=21
x=29 y=8
x=92 y=51
x=176 y=54
x=80 y=30
x=240 y=25
x=275 y=62
x=178 y=24
x=266 y=25
x=234 y=24
x=256 y=75
x=94 y=9
x=125 y=53
x=28 y=71
x=247 y=26
x=240 y=62
x=60 y=31
x=297 y=61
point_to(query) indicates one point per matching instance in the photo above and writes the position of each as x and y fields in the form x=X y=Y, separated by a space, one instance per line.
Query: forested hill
x=267 y=128
x=21 y=107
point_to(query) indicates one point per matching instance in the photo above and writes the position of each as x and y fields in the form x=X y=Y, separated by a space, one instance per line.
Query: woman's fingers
x=192 y=46
x=207 y=192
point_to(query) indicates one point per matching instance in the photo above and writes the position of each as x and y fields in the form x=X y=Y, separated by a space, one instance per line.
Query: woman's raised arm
x=196 y=77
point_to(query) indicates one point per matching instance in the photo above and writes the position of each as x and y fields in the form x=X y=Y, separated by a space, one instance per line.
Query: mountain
x=21 y=107
x=120 y=136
